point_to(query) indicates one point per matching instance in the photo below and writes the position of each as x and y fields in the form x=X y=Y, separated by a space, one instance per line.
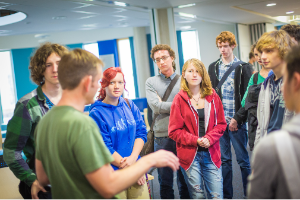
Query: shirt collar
x=171 y=77
x=235 y=59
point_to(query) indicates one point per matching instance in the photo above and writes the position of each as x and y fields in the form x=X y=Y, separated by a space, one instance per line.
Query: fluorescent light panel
x=289 y=12
x=187 y=15
x=271 y=4
x=118 y=3
x=187 y=5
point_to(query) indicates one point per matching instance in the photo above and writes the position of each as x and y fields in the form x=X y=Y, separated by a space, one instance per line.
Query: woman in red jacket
x=196 y=124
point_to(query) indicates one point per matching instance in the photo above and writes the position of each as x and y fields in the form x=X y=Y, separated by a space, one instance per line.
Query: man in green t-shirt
x=70 y=152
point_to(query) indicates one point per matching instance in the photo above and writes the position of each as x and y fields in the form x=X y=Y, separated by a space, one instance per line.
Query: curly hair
x=205 y=85
x=108 y=75
x=159 y=47
x=292 y=30
x=226 y=36
x=275 y=39
x=37 y=64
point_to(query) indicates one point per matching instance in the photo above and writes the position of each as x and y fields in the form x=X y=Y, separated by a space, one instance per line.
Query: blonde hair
x=275 y=39
x=205 y=85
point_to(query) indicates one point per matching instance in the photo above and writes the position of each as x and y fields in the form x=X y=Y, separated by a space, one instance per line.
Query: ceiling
x=45 y=16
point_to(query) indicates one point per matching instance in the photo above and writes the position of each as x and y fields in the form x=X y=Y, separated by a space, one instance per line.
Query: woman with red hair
x=122 y=127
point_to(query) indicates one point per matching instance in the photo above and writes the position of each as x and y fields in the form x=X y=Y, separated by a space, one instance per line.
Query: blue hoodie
x=119 y=125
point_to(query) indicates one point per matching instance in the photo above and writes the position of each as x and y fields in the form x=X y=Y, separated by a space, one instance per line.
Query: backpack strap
x=255 y=78
x=225 y=76
x=288 y=162
x=127 y=101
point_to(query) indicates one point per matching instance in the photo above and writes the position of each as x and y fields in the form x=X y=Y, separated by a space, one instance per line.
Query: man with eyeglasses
x=156 y=86
x=230 y=77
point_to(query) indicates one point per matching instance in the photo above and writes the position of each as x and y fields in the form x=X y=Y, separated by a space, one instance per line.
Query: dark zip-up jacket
x=242 y=75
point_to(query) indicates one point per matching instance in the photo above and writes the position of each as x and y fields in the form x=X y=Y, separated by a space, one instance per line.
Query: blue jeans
x=165 y=174
x=204 y=170
x=239 y=141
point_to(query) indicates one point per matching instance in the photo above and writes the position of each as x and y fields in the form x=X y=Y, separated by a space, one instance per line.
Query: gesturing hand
x=36 y=188
x=163 y=158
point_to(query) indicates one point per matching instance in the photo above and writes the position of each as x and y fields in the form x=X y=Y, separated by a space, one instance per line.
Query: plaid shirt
x=20 y=134
x=228 y=89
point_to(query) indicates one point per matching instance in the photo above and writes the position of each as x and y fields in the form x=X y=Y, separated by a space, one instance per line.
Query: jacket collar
x=186 y=97
x=40 y=93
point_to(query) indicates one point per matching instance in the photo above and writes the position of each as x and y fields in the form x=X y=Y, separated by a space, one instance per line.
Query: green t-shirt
x=69 y=145
x=259 y=80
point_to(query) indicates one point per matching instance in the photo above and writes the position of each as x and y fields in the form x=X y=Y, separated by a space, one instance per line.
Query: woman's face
x=116 y=87
x=192 y=75
x=257 y=56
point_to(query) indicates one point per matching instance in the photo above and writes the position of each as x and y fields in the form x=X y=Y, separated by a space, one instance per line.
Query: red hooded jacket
x=184 y=127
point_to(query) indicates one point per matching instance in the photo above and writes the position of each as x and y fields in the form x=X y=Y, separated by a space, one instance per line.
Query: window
x=190 y=45
x=7 y=86
x=125 y=59
x=93 y=48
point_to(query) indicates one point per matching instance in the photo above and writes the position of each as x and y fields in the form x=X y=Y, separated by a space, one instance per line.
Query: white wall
x=207 y=33
x=269 y=27
x=70 y=37
x=244 y=41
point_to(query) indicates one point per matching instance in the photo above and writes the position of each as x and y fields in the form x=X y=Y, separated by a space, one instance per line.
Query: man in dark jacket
x=231 y=92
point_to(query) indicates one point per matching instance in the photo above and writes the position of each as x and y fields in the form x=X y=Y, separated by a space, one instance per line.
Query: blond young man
x=271 y=111
x=70 y=152
x=271 y=178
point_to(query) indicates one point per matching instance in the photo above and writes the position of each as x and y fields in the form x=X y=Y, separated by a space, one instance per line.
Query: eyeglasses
x=158 y=60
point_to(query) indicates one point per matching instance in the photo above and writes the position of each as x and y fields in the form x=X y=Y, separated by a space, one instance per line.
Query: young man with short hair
x=70 y=152
x=251 y=58
x=271 y=111
x=156 y=86
x=268 y=180
x=28 y=112
x=231 y=93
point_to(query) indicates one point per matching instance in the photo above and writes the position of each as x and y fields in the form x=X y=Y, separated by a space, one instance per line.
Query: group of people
x=197 y=117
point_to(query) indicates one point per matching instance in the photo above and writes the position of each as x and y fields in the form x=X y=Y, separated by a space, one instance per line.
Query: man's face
x=270 y=58
x=225 y=49
x=50 y=74
x=163 y=60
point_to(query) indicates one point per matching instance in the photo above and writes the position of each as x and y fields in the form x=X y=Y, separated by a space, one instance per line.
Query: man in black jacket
x=231 y=90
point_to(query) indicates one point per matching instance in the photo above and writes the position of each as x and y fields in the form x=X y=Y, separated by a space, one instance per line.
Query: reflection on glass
x=7 y=86
x=190 y=45
x=126 y=66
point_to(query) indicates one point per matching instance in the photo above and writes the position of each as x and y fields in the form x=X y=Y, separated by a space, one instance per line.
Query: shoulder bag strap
x=288 y=162
x=255 y=78
x=127 y=102
x=225 y=76
x=166 y=96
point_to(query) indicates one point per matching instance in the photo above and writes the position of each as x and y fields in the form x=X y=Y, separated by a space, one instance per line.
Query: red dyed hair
x=108 y=75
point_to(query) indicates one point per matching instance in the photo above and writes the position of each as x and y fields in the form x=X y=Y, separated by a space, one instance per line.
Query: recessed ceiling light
x=185 y=27
x=118 y=3
x=13 y=18
x=59 y=17
x=289 y=12
x=271 y=4
x=187 y=15
x=187 y=5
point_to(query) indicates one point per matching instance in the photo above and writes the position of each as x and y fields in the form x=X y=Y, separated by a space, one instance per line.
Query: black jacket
x=243 y=73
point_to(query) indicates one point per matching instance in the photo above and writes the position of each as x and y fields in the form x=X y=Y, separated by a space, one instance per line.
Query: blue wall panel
x=21 y=60
x=134 y=68
x=74 y=46
x=180 y=51
x=149 y=45
x=109 y=47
